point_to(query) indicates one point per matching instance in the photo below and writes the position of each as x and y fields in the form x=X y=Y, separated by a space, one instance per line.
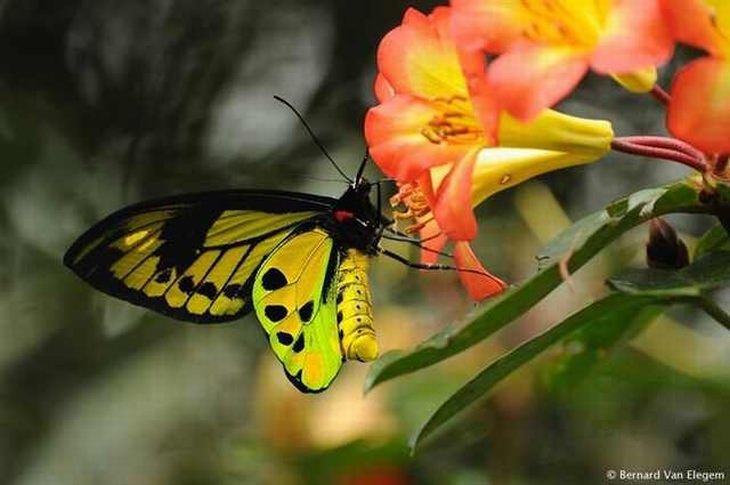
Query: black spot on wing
x=273 y=279
x=232 y=290
x=164 y=276
x=339 y=317
x=299 y=345
x=284 y=338
x=208 y=289
x=186 y=284
x=305 y=312
x=275 y=313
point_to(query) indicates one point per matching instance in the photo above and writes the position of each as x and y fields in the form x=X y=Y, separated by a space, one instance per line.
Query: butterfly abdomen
x=354 y=309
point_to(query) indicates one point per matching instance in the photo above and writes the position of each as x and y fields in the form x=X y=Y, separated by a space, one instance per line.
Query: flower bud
x=665 y=250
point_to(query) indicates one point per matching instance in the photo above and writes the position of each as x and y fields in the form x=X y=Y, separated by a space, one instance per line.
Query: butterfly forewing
x=294 y=299
x=191 y=257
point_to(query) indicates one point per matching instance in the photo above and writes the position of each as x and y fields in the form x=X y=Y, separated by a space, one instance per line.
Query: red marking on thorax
x=343 y=216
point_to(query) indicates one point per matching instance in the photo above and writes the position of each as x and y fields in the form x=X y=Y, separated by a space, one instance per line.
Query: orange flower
x=699 y=110
x=427 y=119
x=438 y=132
x=547 y=46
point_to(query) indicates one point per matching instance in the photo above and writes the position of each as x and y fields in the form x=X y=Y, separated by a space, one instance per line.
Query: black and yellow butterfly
x=298 y=260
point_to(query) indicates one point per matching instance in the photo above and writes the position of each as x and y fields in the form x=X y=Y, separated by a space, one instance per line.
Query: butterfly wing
x=193 y=256
x=294 y=296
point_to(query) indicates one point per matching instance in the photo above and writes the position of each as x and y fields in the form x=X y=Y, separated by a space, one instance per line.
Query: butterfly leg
x=400 y=237
x=429 y=267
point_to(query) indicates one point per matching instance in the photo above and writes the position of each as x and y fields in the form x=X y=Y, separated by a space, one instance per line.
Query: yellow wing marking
x=229 y=301
x=234 y=226
x=139 y=277
x=135 y=256
x=160 y=282
x=215 y=281
x=177 y=295
x=135 y=237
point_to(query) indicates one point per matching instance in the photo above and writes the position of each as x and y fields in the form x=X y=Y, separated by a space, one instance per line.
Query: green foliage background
x=105 y=103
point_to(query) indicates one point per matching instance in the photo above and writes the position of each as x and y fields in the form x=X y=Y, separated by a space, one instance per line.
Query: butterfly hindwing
x=190 y=257
x=294 y=299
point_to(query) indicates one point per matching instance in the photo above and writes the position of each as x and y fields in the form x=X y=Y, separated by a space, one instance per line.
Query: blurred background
x=105 y=103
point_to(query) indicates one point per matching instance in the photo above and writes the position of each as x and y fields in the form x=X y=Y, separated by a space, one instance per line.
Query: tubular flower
x=699 y=110
x=547 y=46
x=438 y=132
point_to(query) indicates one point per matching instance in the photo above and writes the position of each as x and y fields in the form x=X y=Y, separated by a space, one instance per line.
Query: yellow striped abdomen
x=354 y=310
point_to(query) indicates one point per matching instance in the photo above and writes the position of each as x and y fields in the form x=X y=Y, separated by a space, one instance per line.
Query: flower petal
x=487 y=25
x=452 y=209
x=393 y=131
x=530 y=78
x=699 y=110
x=479 y=286
x=419 y=58
x=432 y=239
x=634 y=37
x=483 y=101
x=382 y=88
x=640 y=81
x=498 y=169
x=552 y=130
x=694 y=22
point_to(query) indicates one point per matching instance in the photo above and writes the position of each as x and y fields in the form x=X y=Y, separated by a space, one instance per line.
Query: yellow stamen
x=416 y=206
x=455 y=124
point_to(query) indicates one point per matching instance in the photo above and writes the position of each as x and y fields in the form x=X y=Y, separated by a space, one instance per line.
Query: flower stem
x=668 y=143
x=664 y=148
x=714 y=310
x=660 y=94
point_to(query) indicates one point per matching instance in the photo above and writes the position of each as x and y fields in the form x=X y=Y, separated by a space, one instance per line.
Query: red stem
x=654 y=148
x=664 y=142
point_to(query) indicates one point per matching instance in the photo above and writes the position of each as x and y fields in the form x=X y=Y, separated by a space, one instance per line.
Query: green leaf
x=580 y=242
x=606 y=312
x=588 y=346
x=706 y=274
x=638 y=296
x=716 y=239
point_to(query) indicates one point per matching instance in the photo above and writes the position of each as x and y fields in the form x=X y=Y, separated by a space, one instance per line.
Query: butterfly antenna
x=321 y=179
x=313 y=136
x=361 y=168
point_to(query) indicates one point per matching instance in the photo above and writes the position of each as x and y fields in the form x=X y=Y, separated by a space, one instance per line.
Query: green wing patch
x=294 y=299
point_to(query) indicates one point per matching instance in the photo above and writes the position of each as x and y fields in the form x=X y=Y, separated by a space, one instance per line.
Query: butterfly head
x=356 y=221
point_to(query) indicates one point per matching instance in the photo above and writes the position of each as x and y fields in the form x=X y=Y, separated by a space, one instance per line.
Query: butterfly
x=299 y=261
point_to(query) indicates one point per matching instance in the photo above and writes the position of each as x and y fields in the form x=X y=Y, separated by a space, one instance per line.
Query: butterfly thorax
x=355 y=222
x=354 y=309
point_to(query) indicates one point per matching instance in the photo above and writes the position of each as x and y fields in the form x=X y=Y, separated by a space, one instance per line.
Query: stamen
x=416 y=207
x=455 y=123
